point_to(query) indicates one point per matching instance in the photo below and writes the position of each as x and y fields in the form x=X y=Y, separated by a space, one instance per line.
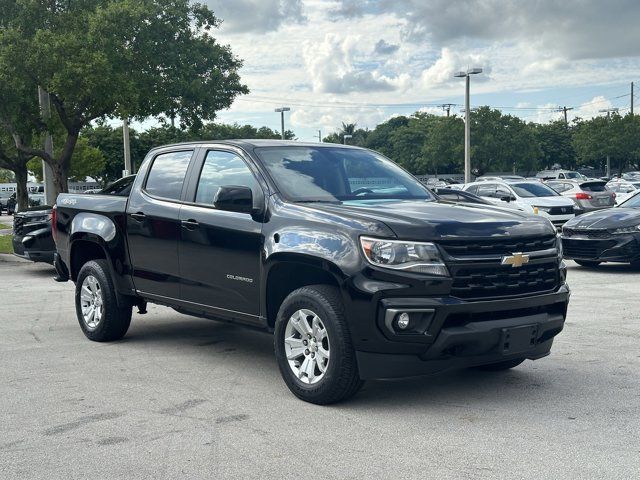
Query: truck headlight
x=622 y=230
x=416 y=257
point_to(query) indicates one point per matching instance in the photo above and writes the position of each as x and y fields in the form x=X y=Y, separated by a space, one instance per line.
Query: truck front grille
x=484 y=281
x=561 y=210
x=585 y=248
x=462 y=248
x=586 y=233
x=18 y=223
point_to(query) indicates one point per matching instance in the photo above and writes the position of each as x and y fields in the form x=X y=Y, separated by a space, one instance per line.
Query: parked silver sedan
x=588 y=195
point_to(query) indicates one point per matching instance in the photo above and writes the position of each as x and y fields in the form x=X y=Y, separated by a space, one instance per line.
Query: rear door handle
x=190 y=224
x=139 y=216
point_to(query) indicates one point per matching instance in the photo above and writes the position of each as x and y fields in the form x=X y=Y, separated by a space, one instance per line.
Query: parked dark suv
x=354 y=265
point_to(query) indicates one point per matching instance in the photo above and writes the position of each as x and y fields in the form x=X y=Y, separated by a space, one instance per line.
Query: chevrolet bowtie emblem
x=515 y=260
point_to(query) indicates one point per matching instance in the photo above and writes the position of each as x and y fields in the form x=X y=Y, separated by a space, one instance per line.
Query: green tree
x=614 y=136
x=7 y=176
x=555 y=141
x=501 y=143
x=87 y=161
x=444 y=145
x=121 y=58
x=358 y=135
x=379 y=138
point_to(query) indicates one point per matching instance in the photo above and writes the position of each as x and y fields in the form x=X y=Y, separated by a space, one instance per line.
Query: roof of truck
x=259 y=143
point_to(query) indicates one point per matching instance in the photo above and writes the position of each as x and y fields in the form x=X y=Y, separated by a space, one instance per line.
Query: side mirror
x=233 y=198
x=507 y=198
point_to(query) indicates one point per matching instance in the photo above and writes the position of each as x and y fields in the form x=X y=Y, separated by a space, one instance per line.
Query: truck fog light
x=403 y=321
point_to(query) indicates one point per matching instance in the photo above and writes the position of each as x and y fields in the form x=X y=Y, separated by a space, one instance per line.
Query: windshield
x=632 y=202
x=573 y=175
x=330 y=174
x=526 y=190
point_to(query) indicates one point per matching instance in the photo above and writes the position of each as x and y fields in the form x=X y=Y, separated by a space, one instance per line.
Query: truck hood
x=610 y=218
x=429 y=220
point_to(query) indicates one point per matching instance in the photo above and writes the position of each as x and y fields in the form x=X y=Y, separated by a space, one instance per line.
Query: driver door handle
x=138 y=216
x=190 y=224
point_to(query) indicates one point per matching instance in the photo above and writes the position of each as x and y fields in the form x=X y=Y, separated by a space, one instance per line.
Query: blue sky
x=366 y=61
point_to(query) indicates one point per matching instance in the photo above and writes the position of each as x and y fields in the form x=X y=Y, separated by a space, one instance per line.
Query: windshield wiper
x=318 y=201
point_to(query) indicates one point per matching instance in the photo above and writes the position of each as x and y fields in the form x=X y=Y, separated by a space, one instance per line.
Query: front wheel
x=313 y=346
x=100 y=317
x=588 y=263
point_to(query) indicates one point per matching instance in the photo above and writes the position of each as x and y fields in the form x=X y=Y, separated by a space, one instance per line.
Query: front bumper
x=34 y=244
x=616 y=248
x=464 y=334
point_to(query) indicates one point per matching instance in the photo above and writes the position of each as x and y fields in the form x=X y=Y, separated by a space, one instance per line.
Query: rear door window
x=167 y=174
x=488 y=190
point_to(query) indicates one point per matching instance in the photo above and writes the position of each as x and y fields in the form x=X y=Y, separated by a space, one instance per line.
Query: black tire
x=115 y=320
x=588 y=263
x=497 y=367
x=341 y=379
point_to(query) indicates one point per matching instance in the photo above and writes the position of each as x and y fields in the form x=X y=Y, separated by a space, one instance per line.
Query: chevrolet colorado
x=356 y=267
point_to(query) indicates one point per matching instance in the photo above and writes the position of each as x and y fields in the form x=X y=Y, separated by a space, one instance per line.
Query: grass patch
x=5 y=244
x=4 y=226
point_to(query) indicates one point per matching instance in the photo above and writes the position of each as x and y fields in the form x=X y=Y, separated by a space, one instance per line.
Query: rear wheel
x=506 y=365
x=588 y=263
x=313 y=346
x=99 y=316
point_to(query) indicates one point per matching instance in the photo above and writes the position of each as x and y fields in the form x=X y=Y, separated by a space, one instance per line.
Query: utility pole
x=608 y=112
x=320 y=136
x=281 y=110
x=467 y=122
x=565 y=109
x=47 y=172
x=447 y=107
x=127 y=148
x=631 y=98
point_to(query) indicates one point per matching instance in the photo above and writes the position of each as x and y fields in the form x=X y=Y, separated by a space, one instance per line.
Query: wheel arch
x=287 y=272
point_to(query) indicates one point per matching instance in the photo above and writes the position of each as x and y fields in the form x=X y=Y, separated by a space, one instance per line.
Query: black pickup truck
x=358 y=269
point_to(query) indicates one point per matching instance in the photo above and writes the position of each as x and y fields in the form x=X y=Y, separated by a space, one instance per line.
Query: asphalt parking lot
x=181 y=397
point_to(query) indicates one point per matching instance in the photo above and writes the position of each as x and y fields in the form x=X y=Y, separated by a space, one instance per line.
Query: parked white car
x=624 y=189
x=528 y=196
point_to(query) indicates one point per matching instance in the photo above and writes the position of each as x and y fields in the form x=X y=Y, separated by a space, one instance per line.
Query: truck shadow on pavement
x=239 y=346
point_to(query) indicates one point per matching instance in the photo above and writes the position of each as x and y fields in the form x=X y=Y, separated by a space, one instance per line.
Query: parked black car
x=611 y=235
x=32 y=234
x=354 y=265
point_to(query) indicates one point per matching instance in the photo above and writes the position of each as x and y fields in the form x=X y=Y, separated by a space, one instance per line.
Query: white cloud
x=575 y=28
x=331 y=67
x=592 y=108
x=256 y=15
x=451 y=62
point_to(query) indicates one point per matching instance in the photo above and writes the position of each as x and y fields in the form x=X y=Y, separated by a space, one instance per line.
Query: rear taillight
x=54 y=223
x=613 y=194
x=583 y=196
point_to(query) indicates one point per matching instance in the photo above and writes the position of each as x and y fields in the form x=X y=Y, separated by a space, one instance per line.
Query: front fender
x=338 y=251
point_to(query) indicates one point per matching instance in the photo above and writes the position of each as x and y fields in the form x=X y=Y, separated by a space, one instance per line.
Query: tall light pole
x=281 y=110
x=467 y=122
x=344 y=138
